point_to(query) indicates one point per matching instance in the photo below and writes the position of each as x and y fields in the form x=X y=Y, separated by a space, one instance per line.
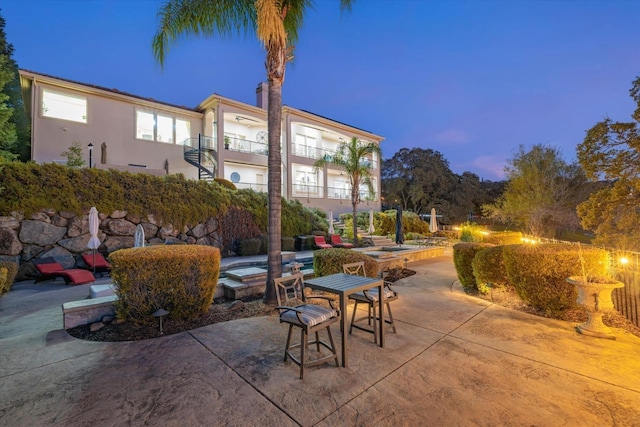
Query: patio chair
x=371 y=299
x=50 y=269
x=321 y=243
x=310 y=318
x=338 y=243
x=97 y=263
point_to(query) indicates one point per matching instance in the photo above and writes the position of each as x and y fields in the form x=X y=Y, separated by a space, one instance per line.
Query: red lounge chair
x=50 y=269
x=337 y=242
x=96 y=263
x=321 y=243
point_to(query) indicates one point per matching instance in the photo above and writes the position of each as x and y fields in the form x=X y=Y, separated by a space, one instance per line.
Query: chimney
x=262 y=95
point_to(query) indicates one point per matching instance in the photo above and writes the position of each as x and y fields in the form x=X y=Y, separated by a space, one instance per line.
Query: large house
x=218 y=138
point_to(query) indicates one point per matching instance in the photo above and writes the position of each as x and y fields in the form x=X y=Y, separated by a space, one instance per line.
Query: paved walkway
x=456 y=360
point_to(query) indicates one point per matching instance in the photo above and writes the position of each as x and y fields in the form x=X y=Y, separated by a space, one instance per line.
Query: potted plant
x=227 y=141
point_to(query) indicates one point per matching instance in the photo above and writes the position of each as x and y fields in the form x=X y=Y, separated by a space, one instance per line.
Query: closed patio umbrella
x=399 y=227
x=371 y=226
x=433 y=223
x=94 y=242
x=138 y=237
x=330 y=219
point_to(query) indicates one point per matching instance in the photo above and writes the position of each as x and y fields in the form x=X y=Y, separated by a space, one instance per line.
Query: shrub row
x=181 y=279
x=330 y=261
x=537 y=272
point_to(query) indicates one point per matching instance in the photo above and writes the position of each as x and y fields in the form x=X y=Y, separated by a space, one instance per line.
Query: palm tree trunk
x=276 y=62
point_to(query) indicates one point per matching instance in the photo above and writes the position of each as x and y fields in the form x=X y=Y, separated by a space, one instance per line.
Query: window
x=165 y=129
x=183 y=130
x=161 y=128
x=145 y=125
x=305 y=146
x=66 y=107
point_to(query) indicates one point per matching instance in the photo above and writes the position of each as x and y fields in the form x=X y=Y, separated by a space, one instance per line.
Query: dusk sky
x=470 y=79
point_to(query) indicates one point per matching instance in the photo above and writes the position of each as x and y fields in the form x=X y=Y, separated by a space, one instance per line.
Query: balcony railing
x=262 y=188
x=246 y=146
x=306 y=190
x=311 y=152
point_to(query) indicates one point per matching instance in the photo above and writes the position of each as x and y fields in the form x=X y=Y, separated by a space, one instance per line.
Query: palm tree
x=352 y=157
x=276 y=24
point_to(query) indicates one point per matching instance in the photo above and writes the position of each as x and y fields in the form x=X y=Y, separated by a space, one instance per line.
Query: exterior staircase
x=202 y=154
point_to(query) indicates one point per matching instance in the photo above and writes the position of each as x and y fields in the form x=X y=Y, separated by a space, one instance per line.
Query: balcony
x=311 y=152
x=246 y=146
x=307 y=190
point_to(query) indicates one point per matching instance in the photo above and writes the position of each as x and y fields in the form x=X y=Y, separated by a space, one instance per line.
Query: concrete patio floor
x=456 y=360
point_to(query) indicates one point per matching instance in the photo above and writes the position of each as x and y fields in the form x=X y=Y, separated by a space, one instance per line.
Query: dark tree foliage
x=420 y=179
x=15 y=132
x=611 y=151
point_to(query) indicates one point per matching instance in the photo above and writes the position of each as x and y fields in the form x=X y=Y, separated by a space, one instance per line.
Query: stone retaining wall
x=64 y=236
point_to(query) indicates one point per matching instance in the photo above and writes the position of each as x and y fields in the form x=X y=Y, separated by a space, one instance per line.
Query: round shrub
x=503 y=238
x=225 y=183
x=330 y=261
x=489 y=270
x=463 y=254
x=180 y=279
x=10 y=270
x=539 y=272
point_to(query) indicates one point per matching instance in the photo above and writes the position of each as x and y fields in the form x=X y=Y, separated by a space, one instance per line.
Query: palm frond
x=222 y=18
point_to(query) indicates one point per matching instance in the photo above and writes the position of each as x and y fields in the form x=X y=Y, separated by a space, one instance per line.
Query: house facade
x=220 y=137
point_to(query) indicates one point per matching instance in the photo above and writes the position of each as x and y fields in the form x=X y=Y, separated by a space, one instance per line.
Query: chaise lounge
x=97 y=263
x=49 y=269
x=338 y=243
x=321 y=243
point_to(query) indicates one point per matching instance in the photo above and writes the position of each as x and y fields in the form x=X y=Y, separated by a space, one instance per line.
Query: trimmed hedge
x=330 y=261
x=181 y=279
x=8 y=271
x=489 y=270
x=463 y=255
x=503 y=238
x=539 y=272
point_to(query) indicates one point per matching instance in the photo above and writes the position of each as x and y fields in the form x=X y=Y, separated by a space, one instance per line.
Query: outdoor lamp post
x=90 y=154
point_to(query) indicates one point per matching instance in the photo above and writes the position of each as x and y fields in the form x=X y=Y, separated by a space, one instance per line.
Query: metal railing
x=312 y=152
x=246 y=146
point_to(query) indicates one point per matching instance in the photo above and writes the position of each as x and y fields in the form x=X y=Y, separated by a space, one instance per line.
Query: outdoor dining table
x=344 y=285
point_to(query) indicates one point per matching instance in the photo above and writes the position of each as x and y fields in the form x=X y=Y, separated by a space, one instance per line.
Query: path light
x=90 y=154
x=624 y=260
x=160 y=313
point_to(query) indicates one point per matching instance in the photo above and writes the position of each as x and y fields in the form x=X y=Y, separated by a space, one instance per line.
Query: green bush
x=503 y=238
x=539 y=272
x=181 y=279
x=330 y=261
x=6 y=280
x=225 y=183
x=463 y=255
x=249 y=247
x=489 y=270
x=288 y=244
x=471 y=232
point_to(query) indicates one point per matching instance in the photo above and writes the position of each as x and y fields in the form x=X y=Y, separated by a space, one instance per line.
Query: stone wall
x=64 y=236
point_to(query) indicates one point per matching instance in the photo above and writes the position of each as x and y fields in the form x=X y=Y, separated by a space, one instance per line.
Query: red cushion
x=50 y=268
x=77 y=276
x=100 y=262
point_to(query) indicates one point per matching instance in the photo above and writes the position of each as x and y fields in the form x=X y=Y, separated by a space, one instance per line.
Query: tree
x=351 y=156
x=15 y=136
x=420 y=179
x=276 y=24
x=74 y=156
x=542 y=192
x=611 y=151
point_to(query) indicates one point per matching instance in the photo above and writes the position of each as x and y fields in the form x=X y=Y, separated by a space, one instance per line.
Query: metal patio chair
x=371 y=299
x=310 y=318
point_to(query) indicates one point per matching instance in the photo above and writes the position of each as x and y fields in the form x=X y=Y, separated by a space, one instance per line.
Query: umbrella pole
x=94 y=261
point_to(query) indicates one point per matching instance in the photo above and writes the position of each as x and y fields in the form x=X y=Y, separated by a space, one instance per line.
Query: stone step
x=247 y=275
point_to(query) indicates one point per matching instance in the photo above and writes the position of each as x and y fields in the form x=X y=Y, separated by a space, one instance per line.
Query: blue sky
x=470 y=79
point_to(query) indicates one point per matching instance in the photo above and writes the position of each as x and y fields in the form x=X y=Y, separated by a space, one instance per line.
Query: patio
x=456 y=360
